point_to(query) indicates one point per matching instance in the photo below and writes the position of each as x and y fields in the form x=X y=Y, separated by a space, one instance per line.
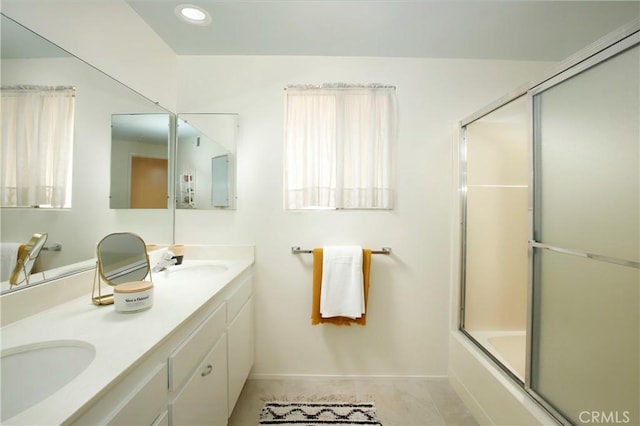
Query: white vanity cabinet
x=194 y=375
x=212 y=390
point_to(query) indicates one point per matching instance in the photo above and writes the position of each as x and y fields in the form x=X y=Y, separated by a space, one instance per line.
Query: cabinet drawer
x=188 y=355
x=147 y=401
x=237 y=299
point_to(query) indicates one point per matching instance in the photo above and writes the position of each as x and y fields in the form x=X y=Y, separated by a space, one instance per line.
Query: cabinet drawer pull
x=208 y=370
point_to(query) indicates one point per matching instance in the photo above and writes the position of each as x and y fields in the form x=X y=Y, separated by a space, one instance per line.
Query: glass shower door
x=585 y=357
x=496 y=222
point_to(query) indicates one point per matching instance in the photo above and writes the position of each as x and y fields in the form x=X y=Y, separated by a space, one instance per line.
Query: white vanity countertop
x=120 y=339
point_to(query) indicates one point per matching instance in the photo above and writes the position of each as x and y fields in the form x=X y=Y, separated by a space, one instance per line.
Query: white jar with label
x=133 y=296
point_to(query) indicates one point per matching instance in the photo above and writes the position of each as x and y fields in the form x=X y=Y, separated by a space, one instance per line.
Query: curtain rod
x=34 y=87
x=339 y=86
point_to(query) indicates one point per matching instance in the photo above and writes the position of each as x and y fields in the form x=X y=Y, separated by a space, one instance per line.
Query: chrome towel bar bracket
x=53 y=247
x=298 y=250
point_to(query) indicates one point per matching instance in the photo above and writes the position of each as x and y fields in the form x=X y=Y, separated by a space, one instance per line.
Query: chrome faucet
x=166 y=261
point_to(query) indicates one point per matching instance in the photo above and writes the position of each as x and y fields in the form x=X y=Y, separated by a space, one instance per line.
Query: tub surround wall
x=406 y=332
x=497 y=223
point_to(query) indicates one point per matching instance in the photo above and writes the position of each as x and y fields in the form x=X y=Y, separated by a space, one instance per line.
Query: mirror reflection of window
x=139 y=161
x=205 y=161
x=37 y=146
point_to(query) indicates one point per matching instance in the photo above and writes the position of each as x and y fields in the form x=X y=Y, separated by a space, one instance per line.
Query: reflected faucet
x=166 y=261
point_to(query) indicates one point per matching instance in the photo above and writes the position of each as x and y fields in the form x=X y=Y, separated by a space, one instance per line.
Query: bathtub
x=493 y=397
x=508 y=347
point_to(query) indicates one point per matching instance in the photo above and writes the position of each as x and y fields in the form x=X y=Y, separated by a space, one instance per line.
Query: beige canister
x=178 y=252
x=133 y=296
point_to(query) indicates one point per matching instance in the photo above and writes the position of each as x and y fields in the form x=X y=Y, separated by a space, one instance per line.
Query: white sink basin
x=31 y=373
x=193 y=272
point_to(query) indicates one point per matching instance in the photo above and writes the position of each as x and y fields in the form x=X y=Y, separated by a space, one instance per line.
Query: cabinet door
x=240 y=336
x=203 y=401
x=190 y=353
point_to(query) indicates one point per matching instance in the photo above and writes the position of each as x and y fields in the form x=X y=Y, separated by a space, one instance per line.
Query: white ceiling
x=479 y=29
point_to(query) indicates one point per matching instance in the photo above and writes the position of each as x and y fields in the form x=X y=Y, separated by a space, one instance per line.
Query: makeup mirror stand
x=27 y=274
x=28 y=259
x=100 y=299
x=121 y=258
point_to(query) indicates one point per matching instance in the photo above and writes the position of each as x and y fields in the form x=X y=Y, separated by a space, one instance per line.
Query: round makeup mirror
x=122 y=258
x=27 y=258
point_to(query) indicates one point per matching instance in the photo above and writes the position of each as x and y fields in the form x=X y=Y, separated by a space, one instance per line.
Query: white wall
x=408 y=319
x=107 y=34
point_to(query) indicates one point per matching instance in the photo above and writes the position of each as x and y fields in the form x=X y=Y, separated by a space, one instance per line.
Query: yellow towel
x=316 y=318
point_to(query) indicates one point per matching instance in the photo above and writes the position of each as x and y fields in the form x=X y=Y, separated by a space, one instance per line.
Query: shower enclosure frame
x=512 y=96
x=623 y=39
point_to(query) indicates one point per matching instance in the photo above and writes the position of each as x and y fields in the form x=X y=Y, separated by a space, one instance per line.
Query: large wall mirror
x=74 y=231
x=205 y=161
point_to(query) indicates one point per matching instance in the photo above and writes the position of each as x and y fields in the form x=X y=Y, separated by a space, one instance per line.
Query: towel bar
x=298 y=250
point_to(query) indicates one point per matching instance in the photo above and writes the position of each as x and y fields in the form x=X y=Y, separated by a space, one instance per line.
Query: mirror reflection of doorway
x=149 y=183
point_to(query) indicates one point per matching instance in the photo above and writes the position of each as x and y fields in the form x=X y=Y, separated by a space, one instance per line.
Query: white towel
x=8 y=259
x=342 y=291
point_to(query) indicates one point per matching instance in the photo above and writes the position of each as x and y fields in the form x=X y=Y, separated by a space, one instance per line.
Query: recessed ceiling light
x=193 y=14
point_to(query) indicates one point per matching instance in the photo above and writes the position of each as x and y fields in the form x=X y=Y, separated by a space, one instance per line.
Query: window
x=36 y=146
x=339 y=141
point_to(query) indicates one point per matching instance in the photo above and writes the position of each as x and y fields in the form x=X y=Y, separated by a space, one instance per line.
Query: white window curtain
x=339 y=142
x=37 y=146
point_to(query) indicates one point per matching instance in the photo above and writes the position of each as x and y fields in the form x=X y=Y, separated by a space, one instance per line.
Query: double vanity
x=182 y=361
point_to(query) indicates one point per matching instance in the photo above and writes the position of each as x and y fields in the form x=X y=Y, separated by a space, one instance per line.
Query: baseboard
x=310 y=377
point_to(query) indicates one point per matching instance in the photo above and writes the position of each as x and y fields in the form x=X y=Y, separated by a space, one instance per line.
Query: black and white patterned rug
x=318 y=413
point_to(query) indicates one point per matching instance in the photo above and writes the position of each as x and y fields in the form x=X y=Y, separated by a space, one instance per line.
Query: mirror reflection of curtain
x=37 y=146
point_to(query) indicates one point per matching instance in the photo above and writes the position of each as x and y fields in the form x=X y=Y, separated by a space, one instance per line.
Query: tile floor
x=409 y=402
